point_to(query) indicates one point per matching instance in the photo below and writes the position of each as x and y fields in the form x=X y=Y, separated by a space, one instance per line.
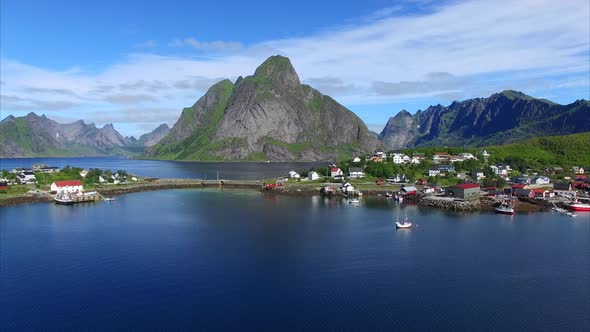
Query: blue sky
x=136 y=64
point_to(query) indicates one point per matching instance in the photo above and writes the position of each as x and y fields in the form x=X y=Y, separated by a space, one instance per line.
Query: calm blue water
x=170 y=169
x=197 y=259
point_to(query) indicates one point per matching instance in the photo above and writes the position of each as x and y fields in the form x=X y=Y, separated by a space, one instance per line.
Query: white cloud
x=207 y=46
x=480 y=45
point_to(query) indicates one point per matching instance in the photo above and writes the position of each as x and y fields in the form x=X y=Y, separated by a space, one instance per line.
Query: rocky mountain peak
x=278 y=70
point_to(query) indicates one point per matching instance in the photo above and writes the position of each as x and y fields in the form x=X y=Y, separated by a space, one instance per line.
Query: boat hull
x=507 y=212
x=579 y=207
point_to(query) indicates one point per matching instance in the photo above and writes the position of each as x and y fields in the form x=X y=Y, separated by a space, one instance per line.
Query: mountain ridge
x=505 y=117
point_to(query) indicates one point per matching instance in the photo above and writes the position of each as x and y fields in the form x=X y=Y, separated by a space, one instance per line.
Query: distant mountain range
x=272 y=116
x=505 y=117
x=267 y=116
x=38 y=136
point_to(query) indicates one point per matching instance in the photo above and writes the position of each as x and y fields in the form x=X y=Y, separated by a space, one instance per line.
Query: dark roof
x=562 y=186
x=522 y=192
x=355 y=169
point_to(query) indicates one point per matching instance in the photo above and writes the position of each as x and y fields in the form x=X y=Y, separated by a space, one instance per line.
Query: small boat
x=505 y=208
x=571 y=215
x=404 y=225
x=388 y=195
x=353 y=201
x=109 y=199
x=578 y=206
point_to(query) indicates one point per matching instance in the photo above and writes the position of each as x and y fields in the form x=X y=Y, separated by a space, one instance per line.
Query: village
x=448 y=181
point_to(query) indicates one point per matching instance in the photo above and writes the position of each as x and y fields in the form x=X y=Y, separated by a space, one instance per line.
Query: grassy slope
x=552 y=150
x=198 y=146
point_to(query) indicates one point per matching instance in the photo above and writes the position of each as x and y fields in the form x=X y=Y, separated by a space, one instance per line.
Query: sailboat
x=404 y=225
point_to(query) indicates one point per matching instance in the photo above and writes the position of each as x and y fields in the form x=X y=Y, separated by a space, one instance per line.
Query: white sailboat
x=404 y=225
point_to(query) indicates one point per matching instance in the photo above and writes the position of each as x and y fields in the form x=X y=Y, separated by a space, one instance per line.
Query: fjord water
x=169 y=168
x=203 y=259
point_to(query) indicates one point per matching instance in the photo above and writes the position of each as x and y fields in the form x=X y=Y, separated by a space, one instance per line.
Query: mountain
x=39 y=136
x=154 y=136
x=267 y=116
x=505 y=117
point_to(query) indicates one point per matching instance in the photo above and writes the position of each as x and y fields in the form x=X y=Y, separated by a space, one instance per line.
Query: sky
x=136 y=64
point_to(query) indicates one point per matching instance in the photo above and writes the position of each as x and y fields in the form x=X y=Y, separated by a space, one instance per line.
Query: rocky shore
x=474 y=205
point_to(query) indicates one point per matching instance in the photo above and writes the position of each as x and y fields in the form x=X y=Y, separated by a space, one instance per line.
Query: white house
x=356 y=160
x=578 y=169
x=415 y=160
x=398 y=158
x=433 y=171
x=101 y=179
x=477 y=174
x=466 y=155
x=294 y=175
x=335 y=171
x=134 y=179
x=68 y=186
x=83 y=173
x=26 y=177
x=406 y=158
x=313 y=175
x=356 y=172
x=541 y=180
x=485 y=154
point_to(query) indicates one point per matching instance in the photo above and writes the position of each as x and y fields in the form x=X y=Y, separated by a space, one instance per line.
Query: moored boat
x=505 y=208
x=578 y=206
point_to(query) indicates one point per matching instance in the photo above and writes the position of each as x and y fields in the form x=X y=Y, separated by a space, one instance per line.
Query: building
x=415 y=161
x=564 y=190
x=465 y=191
x=578 y=169
x=521 y=179
x=356 y=172
x=313 y=175
x=524 y=193
x=409 y=191
x=294 y=175
x=477 y=174
x=68 y=186
x=466 y=155
x=419 y=155
x=543 y=193
x=446 y=168
x=335 y=171
x=440 y=157
x=433 y=171
x=398 y=158
x=485 y=154
x=356 y=160
x=26 y=177
x=541 y=180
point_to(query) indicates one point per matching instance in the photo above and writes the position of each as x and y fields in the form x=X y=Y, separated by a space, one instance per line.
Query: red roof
x=468 y=185
x=68 y=183
x=539 y=191
x=334 y=169
x=518 y=186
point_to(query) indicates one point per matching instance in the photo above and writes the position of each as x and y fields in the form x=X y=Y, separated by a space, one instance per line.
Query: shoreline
x=483 y=204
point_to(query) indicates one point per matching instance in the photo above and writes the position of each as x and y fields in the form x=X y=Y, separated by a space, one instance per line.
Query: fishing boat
x=505 y=208
x=577 y=205
x=404 y=225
